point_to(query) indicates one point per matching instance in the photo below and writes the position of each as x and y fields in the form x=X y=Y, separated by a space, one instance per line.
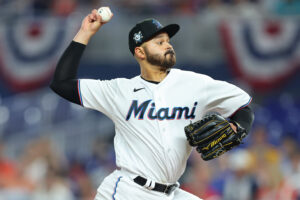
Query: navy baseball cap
x=146 y=30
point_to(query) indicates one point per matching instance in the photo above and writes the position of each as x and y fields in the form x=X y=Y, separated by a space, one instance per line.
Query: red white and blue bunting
x=29 y=50
x=263 y=53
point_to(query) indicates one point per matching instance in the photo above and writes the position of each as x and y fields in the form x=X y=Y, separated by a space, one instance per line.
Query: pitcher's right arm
x=65 y=82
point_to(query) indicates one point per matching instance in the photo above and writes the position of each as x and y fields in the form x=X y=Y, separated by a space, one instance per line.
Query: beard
x=165 y=61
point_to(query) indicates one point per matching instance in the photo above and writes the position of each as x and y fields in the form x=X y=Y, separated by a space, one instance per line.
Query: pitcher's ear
x=139 y=53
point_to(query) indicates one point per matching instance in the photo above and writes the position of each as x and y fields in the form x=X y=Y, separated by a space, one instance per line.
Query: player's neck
x=153 y=73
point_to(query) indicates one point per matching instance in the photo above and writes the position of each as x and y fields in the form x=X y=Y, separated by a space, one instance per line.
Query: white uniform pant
x=119 y=185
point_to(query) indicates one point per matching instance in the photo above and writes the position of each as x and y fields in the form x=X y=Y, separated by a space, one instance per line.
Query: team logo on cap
x=138 y=37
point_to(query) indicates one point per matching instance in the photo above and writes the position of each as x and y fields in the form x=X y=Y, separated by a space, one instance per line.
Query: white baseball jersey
x=150 y=118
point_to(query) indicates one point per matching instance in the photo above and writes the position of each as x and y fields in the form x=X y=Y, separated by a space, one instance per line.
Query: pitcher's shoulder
x=189 y=74
x=126 y=83
x=123 y=80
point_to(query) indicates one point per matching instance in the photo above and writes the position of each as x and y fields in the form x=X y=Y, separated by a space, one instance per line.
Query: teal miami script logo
x=147 y=108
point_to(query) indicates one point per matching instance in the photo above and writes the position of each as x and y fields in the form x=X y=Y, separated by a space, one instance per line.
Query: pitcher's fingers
x=98 y=17
x=89 y=18
x=94 y=16
x=94 y=11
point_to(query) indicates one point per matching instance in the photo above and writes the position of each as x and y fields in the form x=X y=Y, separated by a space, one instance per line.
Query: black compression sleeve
x=64 y=82
x=244 y=117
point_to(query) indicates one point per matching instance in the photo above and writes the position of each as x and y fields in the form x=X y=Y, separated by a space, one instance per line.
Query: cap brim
x=170 y=29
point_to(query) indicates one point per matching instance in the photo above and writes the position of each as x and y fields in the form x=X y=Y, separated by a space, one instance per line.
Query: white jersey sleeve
x=224 y=98
x=98 y=95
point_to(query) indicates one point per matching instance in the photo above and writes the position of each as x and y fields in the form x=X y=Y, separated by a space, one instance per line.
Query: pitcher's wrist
x=83 y=36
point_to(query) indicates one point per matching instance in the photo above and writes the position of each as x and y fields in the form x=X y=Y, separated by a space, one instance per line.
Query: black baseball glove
x=213 y=136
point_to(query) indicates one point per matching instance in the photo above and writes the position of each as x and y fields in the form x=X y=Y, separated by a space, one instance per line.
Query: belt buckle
x=170 y=188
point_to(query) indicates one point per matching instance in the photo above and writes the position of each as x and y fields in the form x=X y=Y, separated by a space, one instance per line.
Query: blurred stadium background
x=51 y=149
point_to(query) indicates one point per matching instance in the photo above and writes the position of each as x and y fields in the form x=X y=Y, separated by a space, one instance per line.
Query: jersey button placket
x=161 y=123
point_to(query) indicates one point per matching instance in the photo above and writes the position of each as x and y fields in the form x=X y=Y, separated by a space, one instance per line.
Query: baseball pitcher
x=159 y=115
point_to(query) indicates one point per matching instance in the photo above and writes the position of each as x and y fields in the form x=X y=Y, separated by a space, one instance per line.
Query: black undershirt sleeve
x=244 y=117
x=64 y=82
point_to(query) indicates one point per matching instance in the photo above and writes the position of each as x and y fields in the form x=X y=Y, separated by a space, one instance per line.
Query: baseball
x=105 y=14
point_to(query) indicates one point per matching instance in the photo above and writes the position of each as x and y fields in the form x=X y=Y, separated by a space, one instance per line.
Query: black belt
x=167 y=189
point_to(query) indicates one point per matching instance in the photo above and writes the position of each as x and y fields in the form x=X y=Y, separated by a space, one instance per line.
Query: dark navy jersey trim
x=115 y=189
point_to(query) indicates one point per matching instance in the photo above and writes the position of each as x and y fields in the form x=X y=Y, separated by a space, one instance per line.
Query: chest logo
x=137 y=89
x=147 y=108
